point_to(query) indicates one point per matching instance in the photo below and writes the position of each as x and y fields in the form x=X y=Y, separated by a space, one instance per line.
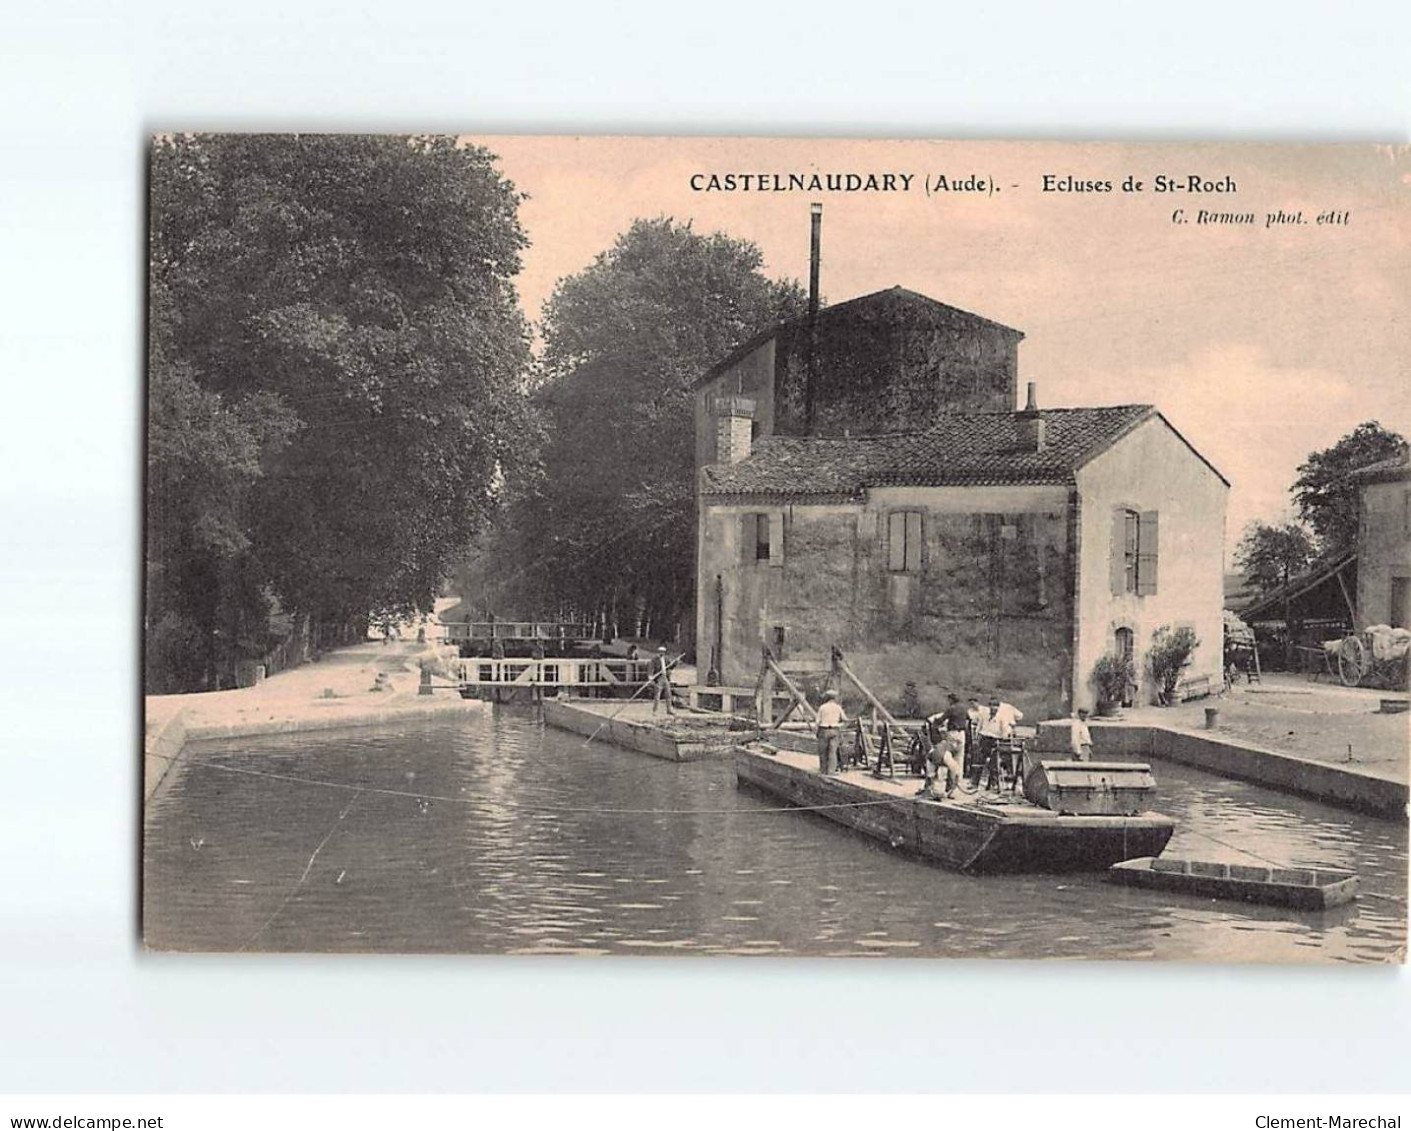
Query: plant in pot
x=1170 y=652
x=1113 y=676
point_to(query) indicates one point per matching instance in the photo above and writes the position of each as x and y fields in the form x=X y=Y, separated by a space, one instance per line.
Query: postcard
x=777 y=546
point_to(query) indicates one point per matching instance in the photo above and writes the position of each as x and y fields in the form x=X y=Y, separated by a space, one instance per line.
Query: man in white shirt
x=829 y=726
x=1000 y=725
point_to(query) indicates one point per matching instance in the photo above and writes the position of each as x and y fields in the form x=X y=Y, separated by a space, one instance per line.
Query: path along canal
x=494 y=834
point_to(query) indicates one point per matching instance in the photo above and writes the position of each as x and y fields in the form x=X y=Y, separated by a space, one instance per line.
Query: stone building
x=1384 y=543
x=933 y=532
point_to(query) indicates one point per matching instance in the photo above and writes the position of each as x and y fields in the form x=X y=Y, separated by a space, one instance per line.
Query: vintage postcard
x=720 y=546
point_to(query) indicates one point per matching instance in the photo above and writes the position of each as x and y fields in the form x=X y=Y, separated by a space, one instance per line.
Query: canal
x=494 y=834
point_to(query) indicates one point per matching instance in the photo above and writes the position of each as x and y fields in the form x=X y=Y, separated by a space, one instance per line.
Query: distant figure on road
x=661 y=682
x=829 y=726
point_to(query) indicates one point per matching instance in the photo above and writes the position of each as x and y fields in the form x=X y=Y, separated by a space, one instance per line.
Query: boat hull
x=964 y=835
x=1272 y=886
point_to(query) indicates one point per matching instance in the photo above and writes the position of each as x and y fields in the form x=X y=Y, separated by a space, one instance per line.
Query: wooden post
x=867 y=694
x=764 y=692
x=798 y=695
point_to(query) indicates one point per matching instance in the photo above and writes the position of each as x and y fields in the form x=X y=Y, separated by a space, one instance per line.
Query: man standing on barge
x=830 y=732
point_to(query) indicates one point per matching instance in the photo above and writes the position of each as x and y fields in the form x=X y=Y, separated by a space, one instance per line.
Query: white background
x=81 y=86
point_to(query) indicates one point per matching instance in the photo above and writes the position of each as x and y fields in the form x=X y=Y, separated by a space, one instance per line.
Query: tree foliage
x=1269 y=556
x=608 y=528
x=1326 y=498
x=336 y=374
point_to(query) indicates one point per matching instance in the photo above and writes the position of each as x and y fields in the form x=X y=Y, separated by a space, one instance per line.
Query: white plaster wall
x=1151 y=468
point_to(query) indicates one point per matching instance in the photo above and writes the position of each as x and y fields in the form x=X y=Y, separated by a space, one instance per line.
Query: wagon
x=1377 y=655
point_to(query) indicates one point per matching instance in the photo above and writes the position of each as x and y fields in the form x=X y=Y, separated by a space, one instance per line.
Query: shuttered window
x=762 y=538
x=904 y=541
x=1135 y=544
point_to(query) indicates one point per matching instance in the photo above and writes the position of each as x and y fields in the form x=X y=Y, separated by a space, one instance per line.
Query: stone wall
x=989 y=610
x=1383 y=550
x=883 y=367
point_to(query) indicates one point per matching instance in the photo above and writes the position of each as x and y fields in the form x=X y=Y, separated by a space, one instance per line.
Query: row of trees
x=336 y=386
x=1325 y=499
x=343 y=406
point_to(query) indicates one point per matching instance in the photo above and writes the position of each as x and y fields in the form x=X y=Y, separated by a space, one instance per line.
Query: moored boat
x=983 y=832
x=1307 y=889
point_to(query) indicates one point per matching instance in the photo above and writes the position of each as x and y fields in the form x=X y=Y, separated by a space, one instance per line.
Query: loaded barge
x=980 y=832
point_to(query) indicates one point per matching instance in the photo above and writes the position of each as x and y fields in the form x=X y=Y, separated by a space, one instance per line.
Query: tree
x=1326 y=497
x=362 y=287
x=1270 y=555
x=609 y=529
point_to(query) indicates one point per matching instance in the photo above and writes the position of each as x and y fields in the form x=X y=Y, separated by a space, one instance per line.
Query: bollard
x=425 y=688
x=1212 y=716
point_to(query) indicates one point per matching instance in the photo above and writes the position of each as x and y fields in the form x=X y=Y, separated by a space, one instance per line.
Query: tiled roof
x=1384 y=471
x=960 y=449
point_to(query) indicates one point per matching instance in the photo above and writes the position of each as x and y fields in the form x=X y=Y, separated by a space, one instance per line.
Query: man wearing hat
x=661 y=681
x=830 y=732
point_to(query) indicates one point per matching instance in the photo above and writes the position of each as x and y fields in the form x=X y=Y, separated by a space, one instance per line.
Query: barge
x=981 y=832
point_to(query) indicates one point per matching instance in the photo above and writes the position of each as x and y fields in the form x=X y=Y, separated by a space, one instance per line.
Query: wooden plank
x=809 y=713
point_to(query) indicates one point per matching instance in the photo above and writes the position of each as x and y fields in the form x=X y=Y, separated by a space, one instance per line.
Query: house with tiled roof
x=887 y=497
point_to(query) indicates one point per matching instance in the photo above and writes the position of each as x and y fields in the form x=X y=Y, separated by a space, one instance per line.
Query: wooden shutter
x=1148 y=543
x=896 y=541
x=776 y=539
x=1117 y=561
x=913 y=540
x=749 y=532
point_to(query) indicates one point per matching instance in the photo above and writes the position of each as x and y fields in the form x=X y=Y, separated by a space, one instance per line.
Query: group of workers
x=963 y=740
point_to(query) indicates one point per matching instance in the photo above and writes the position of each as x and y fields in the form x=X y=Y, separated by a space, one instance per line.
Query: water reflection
x=497 y=835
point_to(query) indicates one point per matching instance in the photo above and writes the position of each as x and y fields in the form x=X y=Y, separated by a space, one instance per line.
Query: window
x=904 y=541
x=1135 y=545
x=1131 y=539
x=762 y=539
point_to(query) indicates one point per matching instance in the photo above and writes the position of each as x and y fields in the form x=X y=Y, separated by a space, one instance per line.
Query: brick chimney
x=734 y=418
x=1029 y=425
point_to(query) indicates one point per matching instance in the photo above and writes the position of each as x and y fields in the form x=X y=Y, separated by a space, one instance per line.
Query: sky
x=1259 y=343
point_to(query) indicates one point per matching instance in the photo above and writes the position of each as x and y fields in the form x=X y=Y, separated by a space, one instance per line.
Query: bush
x=1112 y=677
x=1167 y=657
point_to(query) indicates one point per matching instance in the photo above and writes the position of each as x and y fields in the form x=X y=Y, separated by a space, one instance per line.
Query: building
x=884 y=495
x=1384 y=543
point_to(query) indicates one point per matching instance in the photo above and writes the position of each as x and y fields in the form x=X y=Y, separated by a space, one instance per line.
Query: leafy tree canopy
x=611 y=526
x=1326 y=497
x=348 y=303
x=1270 y=555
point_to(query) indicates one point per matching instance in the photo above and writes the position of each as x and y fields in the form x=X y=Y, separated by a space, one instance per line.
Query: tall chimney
x=1029 y=423
x=810 y=361
x=815 y=255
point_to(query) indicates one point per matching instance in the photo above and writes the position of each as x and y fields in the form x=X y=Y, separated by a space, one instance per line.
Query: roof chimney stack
x=814 y=258
x=1029 y=423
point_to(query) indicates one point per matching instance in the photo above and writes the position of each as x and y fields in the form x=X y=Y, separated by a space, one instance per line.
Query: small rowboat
x=1307 y=889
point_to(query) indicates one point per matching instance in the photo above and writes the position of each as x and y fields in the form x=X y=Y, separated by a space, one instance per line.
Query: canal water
x=494 y=834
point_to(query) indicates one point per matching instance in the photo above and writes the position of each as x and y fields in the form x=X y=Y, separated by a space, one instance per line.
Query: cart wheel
x=1352 y=661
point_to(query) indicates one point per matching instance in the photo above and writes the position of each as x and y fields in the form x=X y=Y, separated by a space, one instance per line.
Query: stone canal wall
x=168 y=737
x=1346 y=786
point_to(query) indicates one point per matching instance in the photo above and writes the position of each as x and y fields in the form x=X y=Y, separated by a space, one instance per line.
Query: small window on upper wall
x=904 y=541
x=762 y=538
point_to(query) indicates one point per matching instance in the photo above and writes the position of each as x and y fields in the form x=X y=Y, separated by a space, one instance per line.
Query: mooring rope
x=415 y=796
